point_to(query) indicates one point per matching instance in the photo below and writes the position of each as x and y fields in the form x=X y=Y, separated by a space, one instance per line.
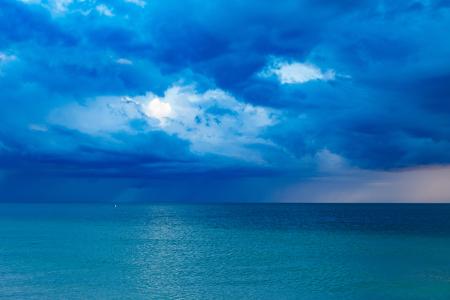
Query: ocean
x=224 y=251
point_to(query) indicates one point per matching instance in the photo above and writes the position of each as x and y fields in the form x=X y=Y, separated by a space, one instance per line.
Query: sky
x=242 y=101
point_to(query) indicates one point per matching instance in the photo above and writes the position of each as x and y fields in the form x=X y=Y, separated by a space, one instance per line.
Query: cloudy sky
x=164 y=100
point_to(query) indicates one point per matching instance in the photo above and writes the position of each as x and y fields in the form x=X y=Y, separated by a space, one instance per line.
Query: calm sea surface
x=224 y=251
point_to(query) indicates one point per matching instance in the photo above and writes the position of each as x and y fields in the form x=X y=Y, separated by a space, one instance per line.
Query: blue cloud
x=367 y=81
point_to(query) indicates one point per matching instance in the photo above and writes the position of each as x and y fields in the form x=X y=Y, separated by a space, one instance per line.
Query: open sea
x=224 y=251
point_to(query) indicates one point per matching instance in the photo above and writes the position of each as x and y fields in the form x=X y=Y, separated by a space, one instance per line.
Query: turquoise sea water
x=224 y=251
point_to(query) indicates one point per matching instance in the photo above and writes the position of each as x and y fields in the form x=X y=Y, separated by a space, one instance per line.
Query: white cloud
x=100 y=116
x=213 y=121
x=124 y=61
x=140 y=3
x=296 y=72
x=158 y=109
x=104 y=10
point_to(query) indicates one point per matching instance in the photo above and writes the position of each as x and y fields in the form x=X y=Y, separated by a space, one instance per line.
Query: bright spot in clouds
x=157 y=109
x=296 y=72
